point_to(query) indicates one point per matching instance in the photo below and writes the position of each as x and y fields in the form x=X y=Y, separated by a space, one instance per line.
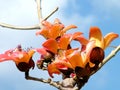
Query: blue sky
x=83 y=13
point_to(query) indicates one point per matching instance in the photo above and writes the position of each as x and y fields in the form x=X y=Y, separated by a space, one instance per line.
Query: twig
x=39 y=10
x=19 y=27
x=54 y=10
x=49 y=81
x=111 y=55
x=38 y=26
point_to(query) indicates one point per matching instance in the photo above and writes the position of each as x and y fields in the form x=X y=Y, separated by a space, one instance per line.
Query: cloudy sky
x=84 y=13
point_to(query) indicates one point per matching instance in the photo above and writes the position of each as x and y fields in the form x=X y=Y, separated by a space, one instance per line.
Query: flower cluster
x=57 y=54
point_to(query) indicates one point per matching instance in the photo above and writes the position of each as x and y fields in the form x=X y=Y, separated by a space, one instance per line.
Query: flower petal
x=76 y=34
x=53 y=69
x=68 y=28
x=75 y=60
x=82 y=40
x=96 y=35
x=54 y=32
x=41 y=51
x=109 y=38
x=30 y=53
x=20 y=57
x=5 y=57
x=44 y=32
x=57 y=65
x=51 y=45
x=65 y=41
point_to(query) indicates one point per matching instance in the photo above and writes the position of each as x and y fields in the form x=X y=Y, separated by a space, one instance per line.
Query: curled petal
x=4 y=57
x=96 y=35
x=76 y=34
x=68 y=28
x=82 y=40
x=109 y=38
x=51 y=45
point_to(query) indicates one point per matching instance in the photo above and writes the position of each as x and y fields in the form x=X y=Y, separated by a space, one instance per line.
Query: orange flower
x=51 y=45
x=22 y=59
x=88 y=56
x=66 y=39
x=60 y=63
x=102 y=42
x=71 y=58
x=53 y=30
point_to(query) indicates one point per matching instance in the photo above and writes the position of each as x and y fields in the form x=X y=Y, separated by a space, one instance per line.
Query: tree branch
x=19 y=27
x=34 y=27
x=49 y=81
x=39 y=10
x=54 y=10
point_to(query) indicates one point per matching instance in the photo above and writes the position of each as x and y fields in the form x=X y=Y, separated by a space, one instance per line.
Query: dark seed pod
x=97 y=55
x=23 y=66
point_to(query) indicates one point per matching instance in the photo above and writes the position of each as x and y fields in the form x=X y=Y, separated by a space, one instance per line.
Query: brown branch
x=49 y=81
x=111 y=55
x=72 y=83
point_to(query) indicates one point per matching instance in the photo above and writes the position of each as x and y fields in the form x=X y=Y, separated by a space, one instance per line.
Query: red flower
x=71 y=58
x=22 y=59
